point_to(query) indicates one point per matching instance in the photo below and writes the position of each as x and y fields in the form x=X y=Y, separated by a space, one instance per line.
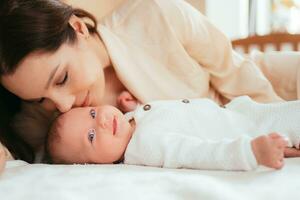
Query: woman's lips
x=115 y=125
x=86 y=101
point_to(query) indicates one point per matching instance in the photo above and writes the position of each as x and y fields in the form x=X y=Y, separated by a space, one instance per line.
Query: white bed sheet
x=42 y=182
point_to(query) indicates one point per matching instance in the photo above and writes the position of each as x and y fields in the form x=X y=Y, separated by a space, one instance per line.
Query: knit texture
x=202 y=135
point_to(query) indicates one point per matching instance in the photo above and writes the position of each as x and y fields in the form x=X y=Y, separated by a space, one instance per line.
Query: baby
x=195 y=133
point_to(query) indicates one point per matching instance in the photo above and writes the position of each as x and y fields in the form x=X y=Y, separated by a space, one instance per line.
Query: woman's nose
x=64 y=103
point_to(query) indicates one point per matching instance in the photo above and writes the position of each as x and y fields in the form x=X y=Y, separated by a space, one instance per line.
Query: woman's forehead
x=31 y=75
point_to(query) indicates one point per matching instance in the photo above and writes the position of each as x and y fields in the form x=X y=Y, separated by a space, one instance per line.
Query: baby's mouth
x=114 y=125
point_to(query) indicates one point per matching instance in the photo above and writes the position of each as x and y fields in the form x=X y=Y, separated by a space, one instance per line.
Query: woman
x=53 y=57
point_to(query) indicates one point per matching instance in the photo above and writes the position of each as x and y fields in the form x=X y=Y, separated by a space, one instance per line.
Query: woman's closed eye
x=63 y=80
x=91 y=135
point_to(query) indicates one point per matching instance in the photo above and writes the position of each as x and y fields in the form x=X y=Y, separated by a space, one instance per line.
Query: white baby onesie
x=200 y=134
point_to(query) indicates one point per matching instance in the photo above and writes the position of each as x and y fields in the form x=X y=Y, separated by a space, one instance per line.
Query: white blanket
x=42 y=182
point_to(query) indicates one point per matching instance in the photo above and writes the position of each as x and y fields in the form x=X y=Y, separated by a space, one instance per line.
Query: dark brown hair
x=10 y=105
x=27 y=26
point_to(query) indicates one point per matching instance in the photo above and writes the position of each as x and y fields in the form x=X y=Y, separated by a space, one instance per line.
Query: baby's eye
x=93 y=113
x=91 y=135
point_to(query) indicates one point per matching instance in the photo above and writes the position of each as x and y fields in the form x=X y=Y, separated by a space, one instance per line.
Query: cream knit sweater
x=166 y=49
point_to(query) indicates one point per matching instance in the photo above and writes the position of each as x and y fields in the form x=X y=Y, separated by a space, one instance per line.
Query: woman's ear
x=79 y=26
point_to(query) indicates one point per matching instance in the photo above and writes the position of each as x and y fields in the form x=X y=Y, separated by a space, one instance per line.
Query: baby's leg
x=269 y=150
x=291 y=152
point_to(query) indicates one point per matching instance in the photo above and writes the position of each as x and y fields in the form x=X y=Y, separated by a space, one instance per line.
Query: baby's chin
x=116 y=161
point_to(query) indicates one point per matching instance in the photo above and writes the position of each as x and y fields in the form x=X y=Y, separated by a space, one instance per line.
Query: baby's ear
x=119 y=161
x=126 y=102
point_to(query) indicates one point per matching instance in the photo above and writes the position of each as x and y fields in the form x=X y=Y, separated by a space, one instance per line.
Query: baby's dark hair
x=53 y=140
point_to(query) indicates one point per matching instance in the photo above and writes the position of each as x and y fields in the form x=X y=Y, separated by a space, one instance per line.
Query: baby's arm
x=172 y=150
x=180 y=151
x=269 y=150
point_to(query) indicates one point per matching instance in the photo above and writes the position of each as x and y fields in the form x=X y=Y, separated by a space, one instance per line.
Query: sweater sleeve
x=230 y=74
x=180 y=151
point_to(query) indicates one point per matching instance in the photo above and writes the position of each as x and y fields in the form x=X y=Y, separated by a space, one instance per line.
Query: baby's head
x=89 y=135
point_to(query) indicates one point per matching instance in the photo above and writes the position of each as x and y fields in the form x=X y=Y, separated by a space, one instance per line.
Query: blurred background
x=237 y=18
x=102 y=7
x=241 y=18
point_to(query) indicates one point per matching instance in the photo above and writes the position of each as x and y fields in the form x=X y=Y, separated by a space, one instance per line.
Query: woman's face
x=70 y=77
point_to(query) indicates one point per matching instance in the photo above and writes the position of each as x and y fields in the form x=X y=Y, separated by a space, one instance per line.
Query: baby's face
x=94 y=134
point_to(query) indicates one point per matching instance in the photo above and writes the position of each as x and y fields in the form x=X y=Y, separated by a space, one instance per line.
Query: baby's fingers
x=279 y=140
x=279 y=164
x=282 y=143
x=275 y=135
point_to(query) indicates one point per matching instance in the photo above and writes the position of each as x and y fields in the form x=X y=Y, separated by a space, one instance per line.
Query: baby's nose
x=102 y=121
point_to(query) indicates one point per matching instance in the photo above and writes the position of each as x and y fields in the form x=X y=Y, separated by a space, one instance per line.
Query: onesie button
x=147 y=107
x=185 y=101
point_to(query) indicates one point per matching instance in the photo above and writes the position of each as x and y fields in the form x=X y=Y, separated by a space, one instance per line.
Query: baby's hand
x=126 y=102
x=269 y=150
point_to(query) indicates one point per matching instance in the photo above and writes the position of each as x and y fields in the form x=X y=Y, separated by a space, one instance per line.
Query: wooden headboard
x=277 y=42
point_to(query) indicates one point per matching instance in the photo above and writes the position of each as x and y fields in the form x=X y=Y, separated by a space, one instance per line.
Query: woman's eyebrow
x=52 y=74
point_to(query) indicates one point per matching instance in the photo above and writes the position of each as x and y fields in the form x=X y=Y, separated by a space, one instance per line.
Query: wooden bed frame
x=277 y=40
